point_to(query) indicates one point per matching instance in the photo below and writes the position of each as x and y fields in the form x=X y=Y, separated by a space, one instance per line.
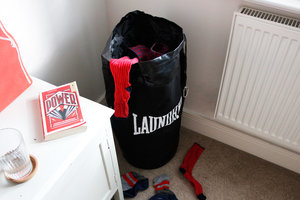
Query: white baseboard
x=100 y=98
x=241 y=140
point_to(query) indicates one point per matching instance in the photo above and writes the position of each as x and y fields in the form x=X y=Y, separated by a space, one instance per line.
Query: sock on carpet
x=162 y=188
x=187 y=166
x=132 y=183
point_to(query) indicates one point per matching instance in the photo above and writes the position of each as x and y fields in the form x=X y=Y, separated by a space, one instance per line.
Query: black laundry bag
x=149 y=136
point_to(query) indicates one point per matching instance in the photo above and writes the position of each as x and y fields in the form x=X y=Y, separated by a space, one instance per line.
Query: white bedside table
x=82 y=166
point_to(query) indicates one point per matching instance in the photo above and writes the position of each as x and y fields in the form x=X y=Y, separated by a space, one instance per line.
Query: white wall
x=60 y=41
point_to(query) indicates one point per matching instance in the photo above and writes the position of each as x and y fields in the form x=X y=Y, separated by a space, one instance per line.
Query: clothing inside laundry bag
x=145 y=53
x=138 y=28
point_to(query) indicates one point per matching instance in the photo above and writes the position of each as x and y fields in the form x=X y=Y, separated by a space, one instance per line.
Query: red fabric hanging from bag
x=120 y=69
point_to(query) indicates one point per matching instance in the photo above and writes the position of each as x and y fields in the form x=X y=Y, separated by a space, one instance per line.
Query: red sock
x=191 y=157
x=120 y=69
x=187 y=166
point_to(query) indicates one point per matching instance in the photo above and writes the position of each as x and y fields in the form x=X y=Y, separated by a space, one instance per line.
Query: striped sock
x=162 y=188
x=132 y=183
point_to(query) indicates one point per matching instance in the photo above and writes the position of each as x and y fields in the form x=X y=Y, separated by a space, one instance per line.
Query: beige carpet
x=224 y=172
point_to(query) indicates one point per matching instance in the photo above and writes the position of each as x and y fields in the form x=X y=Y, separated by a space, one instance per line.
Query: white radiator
x=260 y=88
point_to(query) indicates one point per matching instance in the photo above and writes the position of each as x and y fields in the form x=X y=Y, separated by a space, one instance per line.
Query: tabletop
x=53 y=156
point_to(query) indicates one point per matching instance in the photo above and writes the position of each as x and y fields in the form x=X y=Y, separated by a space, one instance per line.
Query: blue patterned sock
x=162 y=188
x=132 y=183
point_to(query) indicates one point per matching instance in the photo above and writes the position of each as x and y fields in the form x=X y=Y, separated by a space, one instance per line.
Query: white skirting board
x=100 y=98
x=241 y=140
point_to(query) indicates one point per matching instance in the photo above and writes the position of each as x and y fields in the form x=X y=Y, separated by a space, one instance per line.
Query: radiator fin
x=260 y=89
x=271 y=17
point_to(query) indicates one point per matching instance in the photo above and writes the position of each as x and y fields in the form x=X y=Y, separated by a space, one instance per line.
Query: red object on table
x=14 y=78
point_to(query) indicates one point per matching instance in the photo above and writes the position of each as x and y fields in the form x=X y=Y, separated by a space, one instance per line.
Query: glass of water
x=14 y=158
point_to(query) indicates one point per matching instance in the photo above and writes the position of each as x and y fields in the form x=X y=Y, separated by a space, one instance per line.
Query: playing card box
x=61 y=112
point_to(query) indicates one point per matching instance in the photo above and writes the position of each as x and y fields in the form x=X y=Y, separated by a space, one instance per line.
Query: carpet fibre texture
x=225 y=173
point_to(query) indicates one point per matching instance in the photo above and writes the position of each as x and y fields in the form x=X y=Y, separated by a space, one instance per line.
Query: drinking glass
x=14 y=158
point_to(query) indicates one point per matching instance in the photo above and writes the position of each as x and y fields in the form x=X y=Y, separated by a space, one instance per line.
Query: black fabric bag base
x=149 y=136
x=146 y=151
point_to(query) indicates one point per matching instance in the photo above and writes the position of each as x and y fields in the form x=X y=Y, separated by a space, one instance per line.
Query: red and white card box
x=61 y=112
